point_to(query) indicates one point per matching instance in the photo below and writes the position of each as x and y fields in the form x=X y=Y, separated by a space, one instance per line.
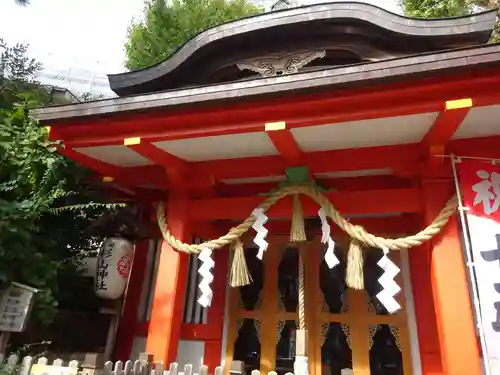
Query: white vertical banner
x=480 y=187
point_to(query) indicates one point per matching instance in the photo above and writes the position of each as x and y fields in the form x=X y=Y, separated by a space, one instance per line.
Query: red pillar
x=428 y=343
x=420 y=266
x=450 y=290
x=170 y=289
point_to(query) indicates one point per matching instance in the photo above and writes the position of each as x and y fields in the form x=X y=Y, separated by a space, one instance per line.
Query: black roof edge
x=407 y=68
x=480 y=24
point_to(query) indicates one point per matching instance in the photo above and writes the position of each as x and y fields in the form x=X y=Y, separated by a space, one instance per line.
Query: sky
x=80 y=41
x=84 y=31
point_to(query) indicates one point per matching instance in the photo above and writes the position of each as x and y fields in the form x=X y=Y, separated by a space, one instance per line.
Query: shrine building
x=297 y=165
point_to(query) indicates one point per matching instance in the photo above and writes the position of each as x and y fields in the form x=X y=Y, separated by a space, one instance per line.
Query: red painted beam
x=104 y=169
x=124 y=176
x=444 y=127
x=486 y=147
x=338 y=184
x=402 y=159
x=112 y=187
x=287 y=146
x=438 y=136
x=176 y=168
x=348 y=203
x=200 y=331
x=337 y=106
x=398 y=157
x=406 y=223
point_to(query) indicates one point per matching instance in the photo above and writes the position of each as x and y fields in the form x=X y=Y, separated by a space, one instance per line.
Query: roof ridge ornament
x=284 y=4
x=280 y=64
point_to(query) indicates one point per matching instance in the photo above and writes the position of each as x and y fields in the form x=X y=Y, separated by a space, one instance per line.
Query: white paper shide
x=389 y=286
x=205 y=271
x=260 y=237
x=326 y=238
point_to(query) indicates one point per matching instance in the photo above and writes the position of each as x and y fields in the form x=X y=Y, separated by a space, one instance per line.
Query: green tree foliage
x=445 y=8
x=449 y=8
x=168 y=26
x=436 y=8
x=46 y=202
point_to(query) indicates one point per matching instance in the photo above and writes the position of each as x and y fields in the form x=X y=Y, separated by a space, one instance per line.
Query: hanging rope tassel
x=240 y=276
x=354 y=274
x=298 y=230
x=298 y=236
x=301 y=360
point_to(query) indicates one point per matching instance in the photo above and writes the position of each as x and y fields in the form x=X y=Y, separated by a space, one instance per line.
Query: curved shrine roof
x=317 y=37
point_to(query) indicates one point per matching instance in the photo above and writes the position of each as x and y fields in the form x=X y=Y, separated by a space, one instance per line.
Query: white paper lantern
x=113 y=268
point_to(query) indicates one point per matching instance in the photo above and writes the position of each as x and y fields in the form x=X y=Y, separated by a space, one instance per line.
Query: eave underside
x=371 y=147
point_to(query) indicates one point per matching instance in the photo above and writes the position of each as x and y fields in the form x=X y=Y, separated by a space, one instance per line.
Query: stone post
x=146 y=360
x=237 y=368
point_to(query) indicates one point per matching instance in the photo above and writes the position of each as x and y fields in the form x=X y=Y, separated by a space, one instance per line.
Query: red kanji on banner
x=123 y=266
x=480 y=185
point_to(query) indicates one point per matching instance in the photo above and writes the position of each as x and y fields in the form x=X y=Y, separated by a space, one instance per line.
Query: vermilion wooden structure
x=369 y=101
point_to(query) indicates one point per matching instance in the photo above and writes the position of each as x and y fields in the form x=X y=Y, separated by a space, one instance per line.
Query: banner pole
x=470 y=266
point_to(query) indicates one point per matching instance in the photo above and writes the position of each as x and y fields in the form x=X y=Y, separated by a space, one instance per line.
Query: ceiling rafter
x=445 y=126
x=402 y=160
x=175 y=168
x=101 y=167
x=285 y=143
x=110 y=172
x=441 y=133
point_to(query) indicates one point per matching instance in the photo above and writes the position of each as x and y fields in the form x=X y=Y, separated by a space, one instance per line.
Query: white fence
x=14 y=365
x=141 y=367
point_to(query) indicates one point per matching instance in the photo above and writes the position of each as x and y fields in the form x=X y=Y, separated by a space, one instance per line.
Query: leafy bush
x=46 y=202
